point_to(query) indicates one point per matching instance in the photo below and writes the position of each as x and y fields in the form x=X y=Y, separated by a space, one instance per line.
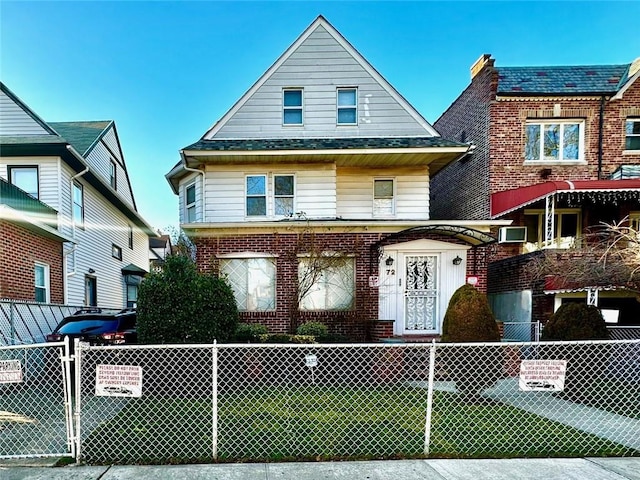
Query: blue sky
x=166 y=71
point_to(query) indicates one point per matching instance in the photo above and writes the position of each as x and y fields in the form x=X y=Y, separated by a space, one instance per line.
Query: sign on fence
x=118 y=381
x=11 y=371
x=542 y=375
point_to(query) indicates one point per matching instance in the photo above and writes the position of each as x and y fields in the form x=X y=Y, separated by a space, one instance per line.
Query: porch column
x=549 y=213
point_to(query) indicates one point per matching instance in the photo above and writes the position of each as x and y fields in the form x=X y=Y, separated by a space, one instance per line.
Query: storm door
x=420 y=294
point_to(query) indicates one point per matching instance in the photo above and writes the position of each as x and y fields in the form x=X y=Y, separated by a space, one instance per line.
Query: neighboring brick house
x=70 y=232
x=557 y=151
x=311 y=194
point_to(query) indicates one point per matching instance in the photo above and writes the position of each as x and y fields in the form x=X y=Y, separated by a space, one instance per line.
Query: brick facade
x=496 y=125
x=20 y=250
x=358 y=324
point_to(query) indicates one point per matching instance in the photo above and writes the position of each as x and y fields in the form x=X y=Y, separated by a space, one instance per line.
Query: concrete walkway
x=507 y=469
x=616 y=428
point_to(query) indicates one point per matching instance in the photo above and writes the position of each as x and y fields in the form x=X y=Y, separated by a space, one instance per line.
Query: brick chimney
x=484 y=61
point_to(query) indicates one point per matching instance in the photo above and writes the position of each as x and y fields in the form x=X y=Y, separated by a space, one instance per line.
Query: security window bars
x=292 y=106
x=253 y=281
x=25 y=178
x=256 y=195
x=283 y=194
x=78 y=205
x=554 y=141
x=632 y=130
x=347 y=106
x=383 y=197
x=190 y=203
x=41 y=272
x=326 y=282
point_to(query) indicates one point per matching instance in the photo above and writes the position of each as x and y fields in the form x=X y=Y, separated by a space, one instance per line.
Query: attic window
x=292 y=106
x=112 y=175
x=347 y=106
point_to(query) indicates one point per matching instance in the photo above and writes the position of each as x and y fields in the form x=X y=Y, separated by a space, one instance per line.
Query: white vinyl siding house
x=80 y=160
x=313 y=66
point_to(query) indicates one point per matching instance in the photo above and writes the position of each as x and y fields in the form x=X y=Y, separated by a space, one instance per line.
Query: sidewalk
x=437 y=469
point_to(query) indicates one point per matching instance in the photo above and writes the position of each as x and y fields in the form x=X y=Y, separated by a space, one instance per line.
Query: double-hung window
x=347 y=106
x=112 y=175
x=326 y=282
x=41 y=272
x=283 y=194
x=383 y=197
x=554 y=141
x=25 y=178
x=253 y=281
x=256 y=195
x=634 y=223
x=292 y=106
x=632 y=134
x=190 y=203
x=78 y=205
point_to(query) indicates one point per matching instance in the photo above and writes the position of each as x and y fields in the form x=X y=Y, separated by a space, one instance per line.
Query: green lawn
x=330 y=422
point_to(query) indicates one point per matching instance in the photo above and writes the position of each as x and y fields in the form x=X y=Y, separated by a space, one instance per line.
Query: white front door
x=420 y=294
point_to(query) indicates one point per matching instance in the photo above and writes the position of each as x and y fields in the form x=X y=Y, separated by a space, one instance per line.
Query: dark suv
x=98 y=328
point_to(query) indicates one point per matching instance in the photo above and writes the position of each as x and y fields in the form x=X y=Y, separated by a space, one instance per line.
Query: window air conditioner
x=512 y=235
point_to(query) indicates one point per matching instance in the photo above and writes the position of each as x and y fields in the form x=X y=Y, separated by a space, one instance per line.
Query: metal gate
x=35 y=401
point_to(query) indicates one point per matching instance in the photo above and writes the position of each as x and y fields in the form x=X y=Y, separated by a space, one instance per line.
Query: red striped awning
x=510 y=200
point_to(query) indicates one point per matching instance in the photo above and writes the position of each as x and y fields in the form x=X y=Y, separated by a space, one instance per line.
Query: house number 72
x=391 y=271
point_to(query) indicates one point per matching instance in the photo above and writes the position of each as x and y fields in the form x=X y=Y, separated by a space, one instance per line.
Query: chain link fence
x=200 y=403
x=35 y=408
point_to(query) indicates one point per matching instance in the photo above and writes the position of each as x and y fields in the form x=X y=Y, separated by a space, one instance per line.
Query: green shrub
x=286 y=338
x=469 y=319
x=249 y=332
x=585 y=363
x=576 y=321
x=316 y=329
x=181 y=305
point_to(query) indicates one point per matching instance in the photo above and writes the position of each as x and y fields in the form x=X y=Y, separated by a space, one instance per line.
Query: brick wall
x=355 y=324
x=461 y=190
x=19 y=250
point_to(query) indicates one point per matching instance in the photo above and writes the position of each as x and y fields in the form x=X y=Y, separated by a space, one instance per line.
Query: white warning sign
x=542 y=375
x=11 y=371
x=118 y=381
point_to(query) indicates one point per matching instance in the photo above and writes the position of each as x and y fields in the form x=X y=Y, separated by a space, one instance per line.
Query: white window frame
x=78 y=207
x=46 y=277
x=627 y=135
x=264 y=195
x=292 y=196
x=24 y=168
x=562 y=123
x=286 y=108
x=376 y=211
x=318 y=295
x=190 y=214
x=558 y=241
x=262 y=298
x=634 y=222
x=353 y=107
x=113 y=174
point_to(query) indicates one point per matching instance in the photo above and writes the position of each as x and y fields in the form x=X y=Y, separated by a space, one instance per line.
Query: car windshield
x=92 y=325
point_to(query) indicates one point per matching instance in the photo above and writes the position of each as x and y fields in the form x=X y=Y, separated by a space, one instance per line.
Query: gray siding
x=320 y=65
x=14 y=121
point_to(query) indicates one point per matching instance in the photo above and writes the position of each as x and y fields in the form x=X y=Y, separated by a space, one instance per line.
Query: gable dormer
x=321 y=87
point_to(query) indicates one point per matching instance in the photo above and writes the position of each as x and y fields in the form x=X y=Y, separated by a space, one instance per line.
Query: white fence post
x=432 y=369
x=78 y=394
x=214 y=399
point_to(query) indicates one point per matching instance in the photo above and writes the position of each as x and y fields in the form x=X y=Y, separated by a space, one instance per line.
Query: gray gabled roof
x=578 y=79
x=320 y=144
x=82 y=135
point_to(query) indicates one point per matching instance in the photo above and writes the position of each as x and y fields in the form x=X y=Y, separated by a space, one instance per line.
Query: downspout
x=600 y=136
x=73 y=225
x=201 y=172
